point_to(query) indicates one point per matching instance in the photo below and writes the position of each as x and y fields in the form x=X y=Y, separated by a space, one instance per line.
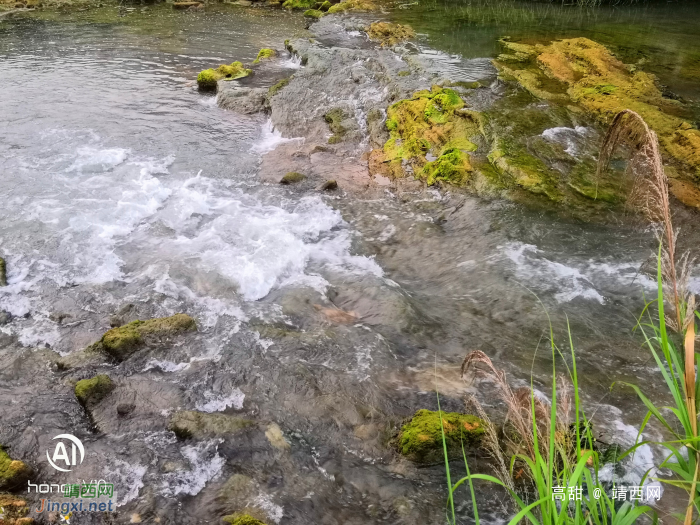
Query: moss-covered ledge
x=12 y=472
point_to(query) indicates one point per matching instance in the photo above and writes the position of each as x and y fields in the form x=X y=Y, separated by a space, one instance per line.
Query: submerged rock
x=3 y=272
x=241 y=99
x=123 y=341
x=208 y=78
x=421 y=438
x=12 y=472
x=389 y=34
x=91 y=391
x=200 y=425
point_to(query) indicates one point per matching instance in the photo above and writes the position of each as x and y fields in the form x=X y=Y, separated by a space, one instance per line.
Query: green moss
x=292 y=177
x=3 y=272
x=242 y=519
x=299 y=4
x=314 y=13
x=12 y=472
x=277 y=87
x=121 y=342
x=389 y=34
x=404 y=73
x=422 y=436
x=200 y=425
x=264 y=53
x=207 y=79
x=356 y=5
x=325 y=6
x=453 y=166
x=334 y=118
x=92 y=391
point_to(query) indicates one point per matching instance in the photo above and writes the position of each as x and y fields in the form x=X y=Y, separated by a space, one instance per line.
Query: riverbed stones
x=421 y=438
x=200 y=425
x=292 y=177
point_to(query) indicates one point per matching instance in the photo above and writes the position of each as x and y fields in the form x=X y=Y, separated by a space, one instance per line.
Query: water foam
x=218 y=402
x=270 y=138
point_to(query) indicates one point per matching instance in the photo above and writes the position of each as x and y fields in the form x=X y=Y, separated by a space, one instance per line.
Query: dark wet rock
x=421 y=438
x=121 y=342
x=124 y=409
x=185 y=5
x=3 y=272
x=329 y=185
x=12 y=472
x=292 y=177
x=5 y=317
x=241 y=99
x=91 y=391
x=200 y=425
x=116 y=321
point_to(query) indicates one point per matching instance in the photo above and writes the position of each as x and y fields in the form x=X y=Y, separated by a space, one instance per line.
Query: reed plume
x=649 y=195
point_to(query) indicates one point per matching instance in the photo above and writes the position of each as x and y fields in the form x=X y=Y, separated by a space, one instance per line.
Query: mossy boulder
x=242 y=519
x=14 y=510
x=389 y=34
x=207 y=79
x=334 y=118
x=292 y=177
x=200 y=425
x=325 y=6
x=91 y=391
x=3 y=272
x=427 y=126
x=421 y=437
x=264 y=53
x=585 y=73
x=355 y=5
x=277 y=87
x=12 y=472
x=123 y=341
x=314 y=13
x=299 y=4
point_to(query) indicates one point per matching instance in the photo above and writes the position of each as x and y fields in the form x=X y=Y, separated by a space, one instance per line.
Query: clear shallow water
x=124 y=185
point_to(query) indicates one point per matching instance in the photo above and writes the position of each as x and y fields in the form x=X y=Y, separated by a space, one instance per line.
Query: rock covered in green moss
x=242 y=519
x=334 y=118
x=207 y=79
x=314 y=13
x=200 y=425
x=123 y=341
x=324 y=6
x=452 y=166
x=91 y=391
x=389 y=34
x=299 y=4
x=277 y=87
x=355 y=5
x=3 y=272
x=292 y=177
x=263 y=54
x=12 y=472
x=421 y=438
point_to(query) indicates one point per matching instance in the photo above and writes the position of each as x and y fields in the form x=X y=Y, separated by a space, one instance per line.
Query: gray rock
x=241 y=99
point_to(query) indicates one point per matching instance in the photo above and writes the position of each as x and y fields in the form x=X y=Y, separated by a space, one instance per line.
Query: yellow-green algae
x=582 y=71
x=433 y=123
x=334 y=118
x=264 y=53
x=314 y=13
x=92 y=391
x=389 y=34
x=292 y=177
x=277 y=87
x=200 y=425
x=123 y=341
x=242 y=519
x=12 y=471
x=355 y=5
x=299 y=4
x=208 y=78
x=422 y=436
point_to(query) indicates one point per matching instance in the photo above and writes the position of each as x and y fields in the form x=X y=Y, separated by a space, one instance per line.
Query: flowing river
x=327 y=317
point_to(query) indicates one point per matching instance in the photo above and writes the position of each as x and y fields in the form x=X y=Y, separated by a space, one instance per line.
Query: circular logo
x=60 y=453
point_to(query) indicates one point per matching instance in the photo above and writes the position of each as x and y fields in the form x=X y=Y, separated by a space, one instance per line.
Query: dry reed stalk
x=650 y=196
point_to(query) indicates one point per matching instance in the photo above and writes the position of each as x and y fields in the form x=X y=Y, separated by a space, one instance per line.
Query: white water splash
x=218 y=402
x=270 y=138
